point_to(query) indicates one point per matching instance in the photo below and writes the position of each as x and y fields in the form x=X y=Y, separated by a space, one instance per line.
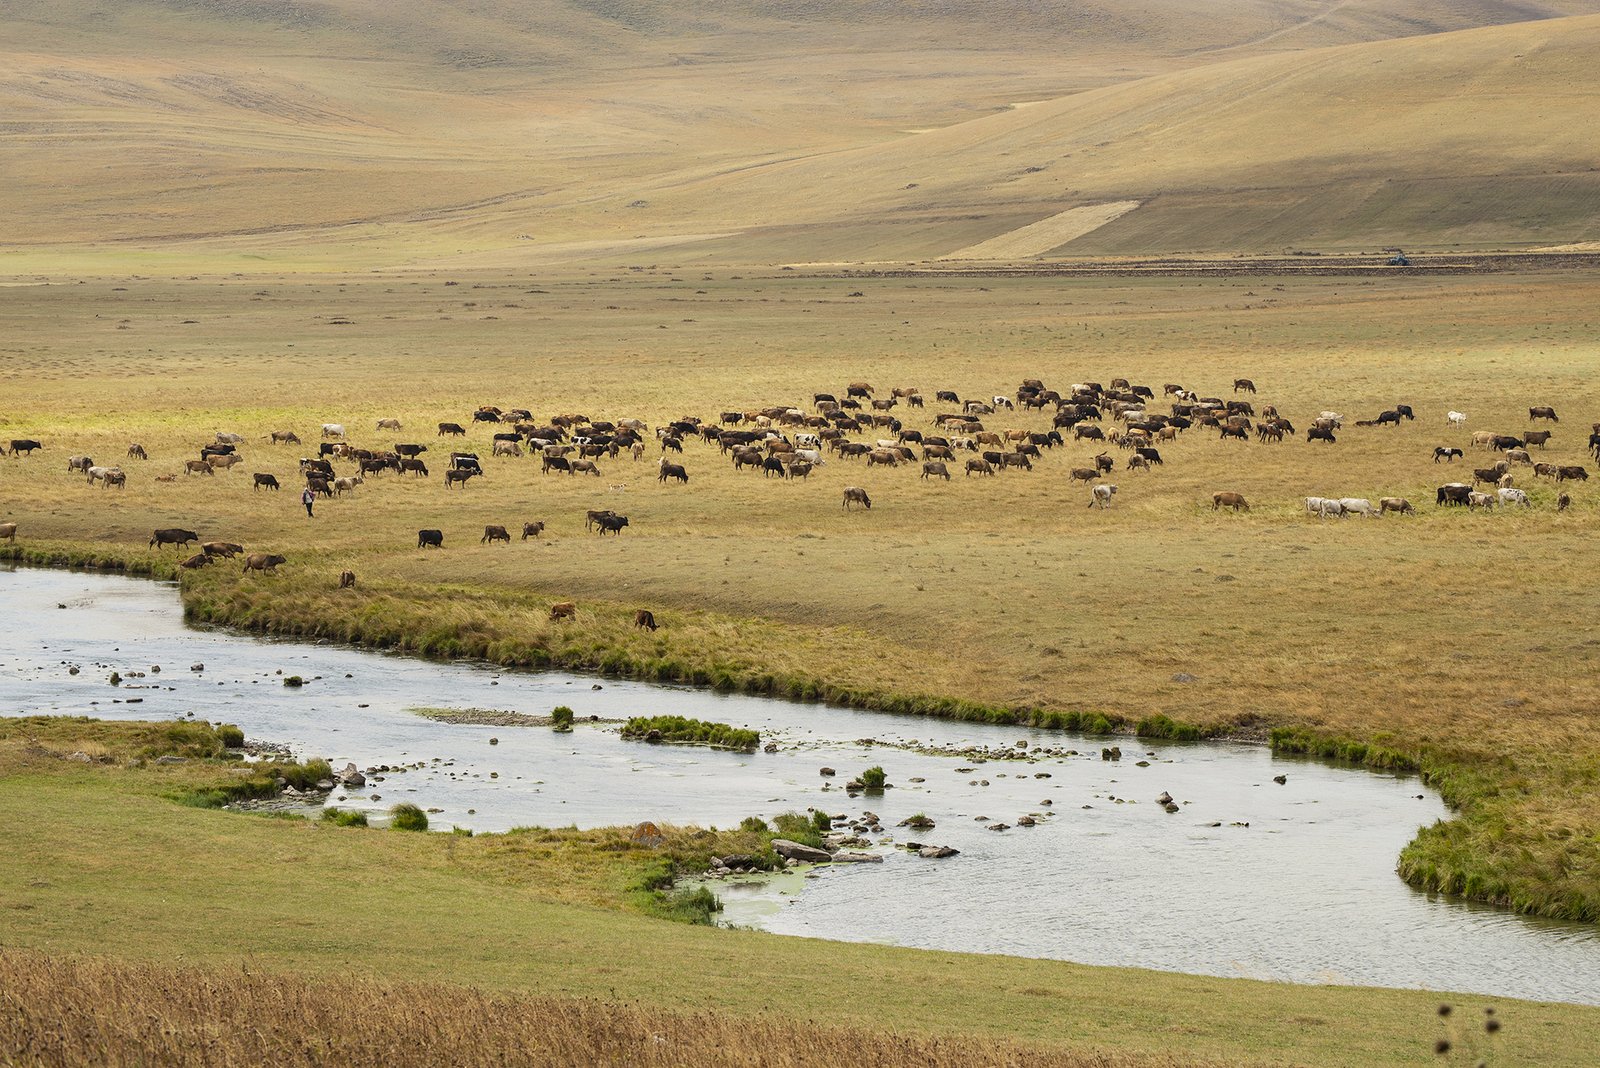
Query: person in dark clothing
x=308 y=498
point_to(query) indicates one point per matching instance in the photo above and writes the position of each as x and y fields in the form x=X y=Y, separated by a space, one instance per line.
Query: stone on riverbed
x=854 y=858
x=933 y=852
x=795 y=851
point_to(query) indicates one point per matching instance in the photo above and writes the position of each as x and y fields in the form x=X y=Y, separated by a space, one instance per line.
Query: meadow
x=1456 y=642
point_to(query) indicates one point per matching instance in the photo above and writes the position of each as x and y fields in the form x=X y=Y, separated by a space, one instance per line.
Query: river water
x=1250 y=878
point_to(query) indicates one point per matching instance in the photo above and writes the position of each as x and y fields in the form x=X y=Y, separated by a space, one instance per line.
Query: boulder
x=795 y=851
x=933 y=852
x=350 y=776
x=828 y=771
x=856 y=858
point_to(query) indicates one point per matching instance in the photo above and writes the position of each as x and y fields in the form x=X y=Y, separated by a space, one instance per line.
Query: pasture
x=1462 y=639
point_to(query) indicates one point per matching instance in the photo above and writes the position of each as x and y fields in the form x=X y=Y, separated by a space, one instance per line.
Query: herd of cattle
x=790 y=443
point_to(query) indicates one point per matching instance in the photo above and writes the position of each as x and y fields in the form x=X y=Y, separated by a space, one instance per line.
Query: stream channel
x=1249 y=878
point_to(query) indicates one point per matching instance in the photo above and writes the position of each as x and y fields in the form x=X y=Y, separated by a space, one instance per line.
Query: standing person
x=308 y=498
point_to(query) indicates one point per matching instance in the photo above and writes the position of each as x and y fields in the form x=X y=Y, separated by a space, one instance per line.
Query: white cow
x=809 y=456
x=1457 y=418
x=1480 y=500
x=1324 y=507
x=1101 y=495
x=1358 y=506
x=333 y=430
x=1515 y=496
x=1334 y=418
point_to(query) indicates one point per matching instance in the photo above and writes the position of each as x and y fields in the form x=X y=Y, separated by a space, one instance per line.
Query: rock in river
x=795 y=851
x=933 y=852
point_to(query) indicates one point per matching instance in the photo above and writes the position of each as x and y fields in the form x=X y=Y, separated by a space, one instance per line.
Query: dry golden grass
x=83 y=1010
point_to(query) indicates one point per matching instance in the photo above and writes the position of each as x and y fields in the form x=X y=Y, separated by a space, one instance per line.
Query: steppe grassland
x=1465 y=635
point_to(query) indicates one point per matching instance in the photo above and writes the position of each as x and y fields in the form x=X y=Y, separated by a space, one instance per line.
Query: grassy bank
x=94 y=847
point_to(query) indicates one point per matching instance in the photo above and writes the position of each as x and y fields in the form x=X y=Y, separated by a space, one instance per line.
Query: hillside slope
x=356 y=132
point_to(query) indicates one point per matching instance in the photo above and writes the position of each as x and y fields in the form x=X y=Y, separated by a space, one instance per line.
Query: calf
x=347 y=579
x=1321 y=433
x=284 y=437
x=1445 y=454
x=197 y=467
x=1229 y=499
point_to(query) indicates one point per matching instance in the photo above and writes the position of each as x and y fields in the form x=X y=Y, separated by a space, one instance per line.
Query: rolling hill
x=360 y=133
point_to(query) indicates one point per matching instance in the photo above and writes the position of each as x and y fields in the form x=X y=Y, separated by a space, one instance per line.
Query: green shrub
x=230 y=736
x=343 y=818
x=753 y=824
x=561 y=718
x=691 y=732
x=293 y=680
x=874 y=778
x=1159 y=726
x=798 y=827
x=408 y=817
x=302 y=776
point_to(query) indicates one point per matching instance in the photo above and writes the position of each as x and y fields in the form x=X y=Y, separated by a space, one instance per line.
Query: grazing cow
x=672 y=471
x=611 y=523
x=430 y=539
x=196 y=562
x=1456 y=418
x=645 y=619
x=1486 y=474
x=982 y=467
x=1405 y=411
x=1323 y=507
x=1452 y=493
x=1540 y=438
x=24 y=445
x=1101 y=495
x=1565 y=473
x=594 y=516
x=1545 y=470
x=858 y=389
x=1563 y=502
x=415 y=467
x=387 y=424
x=136 y=452
x=1594 y=444
x=8 y=532
x=493 y=534
x=1229 y=499
x=1230 y=431
x=507 y=448
x=1446 y=454
x=586 y=467
x=333 y=430
x=451 y=428
x=222 y=548
x=1502 y=442
x=79 y=463
x=1514 y=496
x=1542 y=412
x=935 y=469
x=284 y=437
x=458 y=474
x=230 y=439
x=1321 y=433
x=1015 y=459
x=263 y=562
x=1243 y=384
x=259 y=481
x=548 y=464
x=799 y=469
x=486 y=415
x=1264 y=432
x=1138 y=463
x=563 y=610
x=884 y=457
x=1389 y=418
x=1395 y=504
x=114 y=477
x=1358 y=506
x=532 y=530
x=1480 y=500
x=347 y=579
x=1082 y=431
x=197 y=467
x=1518 y=456
x=855 y=495
x=1086 y=474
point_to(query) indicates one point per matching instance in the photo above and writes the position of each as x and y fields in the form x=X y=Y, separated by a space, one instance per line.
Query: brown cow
x=386 y=424
x=1228 y=499
x=883 y=456
x=982 y=467
x=258 y=480
x=172 y=536
x=1542 y=412
x=8 y=532
x=1563 y=502
x=1243 y=384
x=197 y=561
x=935 y=469
x=563 y=610
x=222 y=548
x=226 y=461
x=645 y=618
x=1395 y=504
x=494 y=533
x=136 y=452
x=263 y=562
x=532 y=530
x=1540 y=438
x=1085 y=474
x=855 y=495
x=347 y=579
x=1574 y=472
x=197 y=467
x=284 y=437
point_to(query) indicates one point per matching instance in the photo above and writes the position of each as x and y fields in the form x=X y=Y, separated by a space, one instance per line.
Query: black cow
x=1153 y=455
x=430 y=539
x=172 y=536
x=24 y=445
x=1321 y=433
x=612 y=523
x=1447 y=455
x=1453 y=493
x=451 y=428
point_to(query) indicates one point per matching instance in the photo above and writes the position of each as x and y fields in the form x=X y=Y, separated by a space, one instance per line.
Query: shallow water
x=1306 y=892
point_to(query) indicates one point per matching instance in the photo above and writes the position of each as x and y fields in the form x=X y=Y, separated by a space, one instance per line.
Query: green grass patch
x=340 y=817
x=407 y=817
x=685 y=731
